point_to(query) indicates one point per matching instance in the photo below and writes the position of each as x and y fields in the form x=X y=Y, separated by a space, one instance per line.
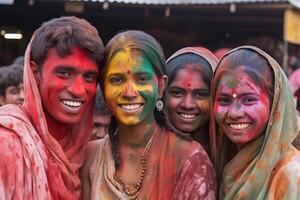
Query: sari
x=176 y=169
x=269 y=166
x=33 y=164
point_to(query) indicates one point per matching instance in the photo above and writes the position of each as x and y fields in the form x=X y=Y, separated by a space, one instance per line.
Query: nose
x=21 y=95
x=129 y=90
x=188 y=102
x=77 y=87
x=235 y=111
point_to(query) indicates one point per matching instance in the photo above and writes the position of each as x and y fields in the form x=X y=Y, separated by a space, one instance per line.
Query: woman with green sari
x=253 y=125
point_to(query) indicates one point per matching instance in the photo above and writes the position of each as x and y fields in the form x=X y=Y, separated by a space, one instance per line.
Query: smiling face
x=188 y=100
x=67 y=85
x=131 y=87
x=13 y=95
x=241 y=108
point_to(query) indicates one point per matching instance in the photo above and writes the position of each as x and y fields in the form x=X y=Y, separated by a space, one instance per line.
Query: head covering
x=248 y=174
x=200 y=51
x=50 y=168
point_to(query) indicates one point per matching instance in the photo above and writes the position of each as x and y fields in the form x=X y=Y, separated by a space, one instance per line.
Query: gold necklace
x=132 y=194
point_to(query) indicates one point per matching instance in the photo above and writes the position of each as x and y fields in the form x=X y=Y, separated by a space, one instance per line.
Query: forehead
x=78 y=59
x=129 y=61
x=188 y=76
x=98 y=118
x=237 y=81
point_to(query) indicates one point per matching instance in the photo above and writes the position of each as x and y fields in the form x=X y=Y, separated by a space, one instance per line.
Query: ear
x=162 y=83
x=36 y=72
x=2 y=100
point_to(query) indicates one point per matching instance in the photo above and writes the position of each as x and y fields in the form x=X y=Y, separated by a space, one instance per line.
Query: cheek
x=111 y=92
x=51 y=89
x=219 y=113
x=148 y=91
x=203 y=105
x=172 y=102
x=261 y=112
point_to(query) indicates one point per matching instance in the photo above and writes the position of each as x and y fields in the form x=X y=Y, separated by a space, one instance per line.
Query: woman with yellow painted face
x=141 y=158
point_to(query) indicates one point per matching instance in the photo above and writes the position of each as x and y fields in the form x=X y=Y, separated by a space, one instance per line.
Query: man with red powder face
x=42 y=142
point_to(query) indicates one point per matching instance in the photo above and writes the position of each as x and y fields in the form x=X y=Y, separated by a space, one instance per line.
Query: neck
x=240 y=146
x=138 y=135
x=202 y=136
x=57 y=129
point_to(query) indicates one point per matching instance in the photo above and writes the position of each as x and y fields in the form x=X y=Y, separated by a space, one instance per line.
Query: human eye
x=143 y=78
x=249 y=100
x=13 y=90
x=223 y=100
x=116 y=80
x=200 y=94
x=90 y=77
x=63 y=73
x=176 y=92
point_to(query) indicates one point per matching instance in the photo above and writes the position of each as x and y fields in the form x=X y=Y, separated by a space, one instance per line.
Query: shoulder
x=187 y=148
x=196 y=177
x=93 y=148
x=11 y=148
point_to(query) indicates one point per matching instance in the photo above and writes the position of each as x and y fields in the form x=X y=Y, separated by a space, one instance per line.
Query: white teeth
x=131 y=106
x=72 y=103
x=188 y=116
x=239 y=126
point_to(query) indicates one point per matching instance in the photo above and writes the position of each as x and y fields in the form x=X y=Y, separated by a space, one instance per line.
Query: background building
x=175 y=23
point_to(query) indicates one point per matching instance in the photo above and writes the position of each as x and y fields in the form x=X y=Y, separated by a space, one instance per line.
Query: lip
x=239 y=126
x=131 y=107
x=72 y=106
x=187 y=116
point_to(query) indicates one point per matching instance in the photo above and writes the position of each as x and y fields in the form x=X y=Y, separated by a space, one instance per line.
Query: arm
x=11 y=166
x=84 y=171
x=197 y=179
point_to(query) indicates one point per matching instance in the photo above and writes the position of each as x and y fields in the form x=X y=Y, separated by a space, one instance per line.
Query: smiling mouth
x=131 y=107
x=72 y=104
x=239 y=126
x=188 y=116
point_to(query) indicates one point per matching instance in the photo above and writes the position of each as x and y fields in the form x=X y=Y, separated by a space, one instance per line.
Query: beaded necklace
x=133 y=193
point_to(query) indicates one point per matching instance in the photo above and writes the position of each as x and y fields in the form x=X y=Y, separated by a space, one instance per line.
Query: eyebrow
x=72 y=68
x=242 y=94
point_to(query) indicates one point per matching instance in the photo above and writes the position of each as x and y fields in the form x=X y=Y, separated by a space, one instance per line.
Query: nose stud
x=234 y=95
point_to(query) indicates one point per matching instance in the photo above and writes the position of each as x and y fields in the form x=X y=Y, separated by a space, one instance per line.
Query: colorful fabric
x=176 y=169
x=33 y=164
x=200 y=51
x=268 y=167
x=294 y=80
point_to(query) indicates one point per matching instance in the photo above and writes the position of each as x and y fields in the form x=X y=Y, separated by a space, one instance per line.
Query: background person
x=11 y=85
x=102 y=117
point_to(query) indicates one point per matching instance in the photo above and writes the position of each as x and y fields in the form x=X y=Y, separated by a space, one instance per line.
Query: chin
x=69 y=120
